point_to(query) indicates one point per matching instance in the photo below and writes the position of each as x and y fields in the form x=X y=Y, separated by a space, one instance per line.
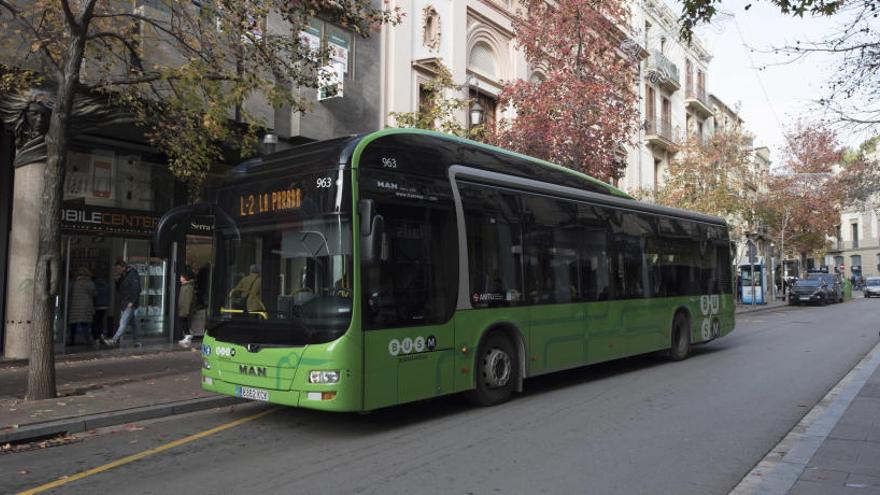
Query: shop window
x=118 y=179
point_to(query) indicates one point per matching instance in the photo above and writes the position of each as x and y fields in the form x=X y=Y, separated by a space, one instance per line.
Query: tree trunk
x=47 y=274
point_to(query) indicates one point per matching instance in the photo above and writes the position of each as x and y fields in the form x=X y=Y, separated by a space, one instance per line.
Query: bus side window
x=495 y=246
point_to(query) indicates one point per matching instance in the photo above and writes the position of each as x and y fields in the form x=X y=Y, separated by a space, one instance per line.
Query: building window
x=855 y=235
x=426 y=99
x=689 y=76
x=839 y=238
x=320 y=34
x=482 y=58
x=490 y=105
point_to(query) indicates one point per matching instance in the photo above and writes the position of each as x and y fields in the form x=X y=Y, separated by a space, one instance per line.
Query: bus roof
x=431 y=153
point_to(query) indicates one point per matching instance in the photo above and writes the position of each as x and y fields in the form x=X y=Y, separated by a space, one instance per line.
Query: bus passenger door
x=409 y=288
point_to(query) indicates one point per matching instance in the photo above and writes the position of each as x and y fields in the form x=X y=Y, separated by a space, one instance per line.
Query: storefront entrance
x=95 y=254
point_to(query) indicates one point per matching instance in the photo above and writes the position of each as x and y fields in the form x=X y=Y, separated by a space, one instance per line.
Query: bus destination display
x=269 y=202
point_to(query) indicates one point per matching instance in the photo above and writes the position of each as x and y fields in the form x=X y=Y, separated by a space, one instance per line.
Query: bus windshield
x=299 y=273
x=283 y=273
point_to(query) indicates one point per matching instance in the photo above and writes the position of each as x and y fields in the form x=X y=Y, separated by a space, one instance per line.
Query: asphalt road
x=640 y=425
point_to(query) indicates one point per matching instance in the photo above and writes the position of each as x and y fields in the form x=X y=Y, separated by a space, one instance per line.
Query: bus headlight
x=206 y=364
x=324 y=377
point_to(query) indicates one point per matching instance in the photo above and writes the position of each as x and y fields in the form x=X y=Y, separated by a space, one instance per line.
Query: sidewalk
x=835 y=449
x=749 y=308
x=848 y=461
x=104 y=388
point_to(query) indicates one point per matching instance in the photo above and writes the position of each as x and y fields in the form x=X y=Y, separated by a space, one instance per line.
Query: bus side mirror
x=372 y=231
x=372 y=244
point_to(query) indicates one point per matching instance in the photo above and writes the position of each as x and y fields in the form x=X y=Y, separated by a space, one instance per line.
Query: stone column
x=23 y=243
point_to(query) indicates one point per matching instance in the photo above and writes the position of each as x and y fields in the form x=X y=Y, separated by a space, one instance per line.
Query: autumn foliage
x=579 y=109
x=802 y=206
x=717 y=177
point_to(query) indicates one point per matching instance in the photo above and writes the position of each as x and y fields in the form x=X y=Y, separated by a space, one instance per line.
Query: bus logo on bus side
x=412 y=346
x=711 y=326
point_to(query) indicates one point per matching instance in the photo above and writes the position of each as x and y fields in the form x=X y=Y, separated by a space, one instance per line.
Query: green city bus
x=367 y=271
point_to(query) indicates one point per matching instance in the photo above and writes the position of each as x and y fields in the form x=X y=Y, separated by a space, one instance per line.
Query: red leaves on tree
x=582 y=111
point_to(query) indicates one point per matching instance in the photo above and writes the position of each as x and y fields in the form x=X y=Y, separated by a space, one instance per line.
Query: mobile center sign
x=98 y=220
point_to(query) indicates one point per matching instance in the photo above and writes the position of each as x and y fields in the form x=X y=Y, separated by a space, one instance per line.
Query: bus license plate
x=252 y=393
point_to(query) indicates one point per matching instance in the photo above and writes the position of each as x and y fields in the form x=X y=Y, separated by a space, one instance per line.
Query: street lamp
x=476 y=114
x=476 y=111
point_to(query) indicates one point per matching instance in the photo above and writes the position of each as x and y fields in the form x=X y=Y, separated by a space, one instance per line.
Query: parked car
x=809 y=290
x=834 y=289
x=872 y=287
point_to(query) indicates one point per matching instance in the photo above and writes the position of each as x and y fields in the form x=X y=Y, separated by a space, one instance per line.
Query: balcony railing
x=698 y=92
x=695 y=97
x=662 y=71
x=660 y=130
x=862 y=243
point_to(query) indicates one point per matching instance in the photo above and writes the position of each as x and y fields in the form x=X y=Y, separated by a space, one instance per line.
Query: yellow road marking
x=144 y=454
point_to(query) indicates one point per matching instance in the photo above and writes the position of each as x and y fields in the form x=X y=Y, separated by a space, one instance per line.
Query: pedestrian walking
x=128 y=288
x=185 y=302
x=82 y=306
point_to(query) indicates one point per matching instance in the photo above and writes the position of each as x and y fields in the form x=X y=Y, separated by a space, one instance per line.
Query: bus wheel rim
x=496 y=368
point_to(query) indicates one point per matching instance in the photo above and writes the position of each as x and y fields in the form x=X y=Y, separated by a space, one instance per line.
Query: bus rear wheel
x=496 y=371
x=681 y=338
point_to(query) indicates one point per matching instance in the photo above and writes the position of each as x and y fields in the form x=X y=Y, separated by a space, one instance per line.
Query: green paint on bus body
x=554 y=337
x=380 y=368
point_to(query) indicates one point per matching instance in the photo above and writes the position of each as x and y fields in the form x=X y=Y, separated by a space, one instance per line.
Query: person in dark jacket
x=102 y=303
x=185 y=301
x=82 y=305
x=128 y=290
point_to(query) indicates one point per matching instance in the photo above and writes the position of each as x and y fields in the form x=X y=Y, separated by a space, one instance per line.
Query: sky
x=772 y=92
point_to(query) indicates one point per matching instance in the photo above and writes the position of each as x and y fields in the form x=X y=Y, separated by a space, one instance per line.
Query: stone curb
x=100 y=420
x=85 y=356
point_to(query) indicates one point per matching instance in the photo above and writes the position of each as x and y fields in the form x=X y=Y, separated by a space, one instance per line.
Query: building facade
x=473 y=39
x=674 y=101
x=857 y=245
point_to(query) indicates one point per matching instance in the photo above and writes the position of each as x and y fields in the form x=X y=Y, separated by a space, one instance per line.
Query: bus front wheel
x=681 y=338
x=496 y=371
